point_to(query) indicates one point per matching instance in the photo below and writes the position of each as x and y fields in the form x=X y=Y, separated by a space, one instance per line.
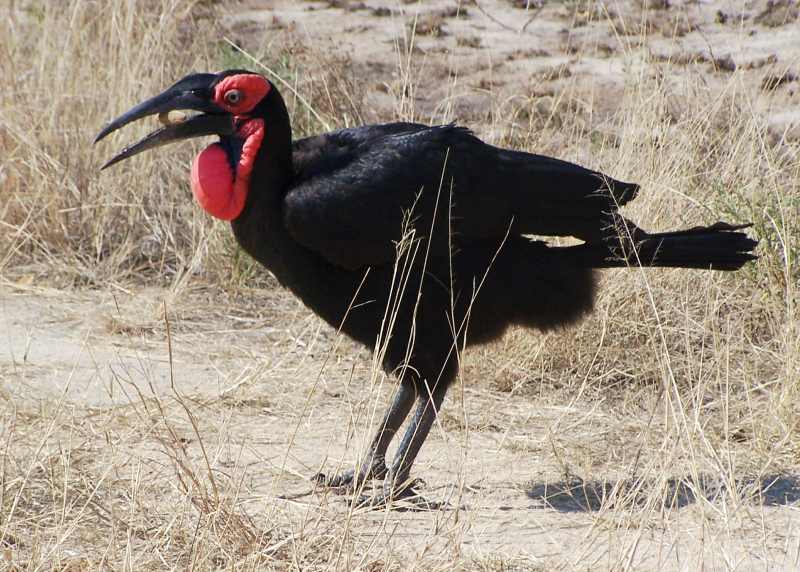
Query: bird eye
x=233 y=96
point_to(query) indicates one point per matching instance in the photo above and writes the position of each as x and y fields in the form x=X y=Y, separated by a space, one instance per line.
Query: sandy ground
x=277 y=396
x=274 y=405
x=466 y=60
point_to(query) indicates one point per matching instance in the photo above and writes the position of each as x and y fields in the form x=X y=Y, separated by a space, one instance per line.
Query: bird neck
x=259 y=228
x=274 y=158
x=272 y=170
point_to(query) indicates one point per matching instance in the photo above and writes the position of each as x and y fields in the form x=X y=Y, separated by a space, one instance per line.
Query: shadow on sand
x=577 y=495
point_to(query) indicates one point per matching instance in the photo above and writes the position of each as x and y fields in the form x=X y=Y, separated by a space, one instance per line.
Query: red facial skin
x=220 y=190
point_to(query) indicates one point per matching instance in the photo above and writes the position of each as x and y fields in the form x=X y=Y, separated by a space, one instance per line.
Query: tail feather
x=718 y=247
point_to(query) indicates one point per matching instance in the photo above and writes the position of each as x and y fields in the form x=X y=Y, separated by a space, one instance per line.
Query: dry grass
x=669 y=416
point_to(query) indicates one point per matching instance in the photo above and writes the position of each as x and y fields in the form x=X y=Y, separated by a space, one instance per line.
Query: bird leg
x=397 y=484
x=374 y=464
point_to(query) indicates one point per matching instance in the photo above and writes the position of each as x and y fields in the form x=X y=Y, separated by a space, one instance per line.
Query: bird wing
x=358 y=192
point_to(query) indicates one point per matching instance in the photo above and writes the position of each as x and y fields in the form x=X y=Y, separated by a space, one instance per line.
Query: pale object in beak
x=172 y=117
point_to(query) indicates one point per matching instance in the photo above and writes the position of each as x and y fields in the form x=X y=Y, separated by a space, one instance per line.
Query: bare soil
x=468 y=60
x=274 y=405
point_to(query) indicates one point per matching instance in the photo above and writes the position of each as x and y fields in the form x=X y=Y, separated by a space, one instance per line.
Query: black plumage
x=414 y=238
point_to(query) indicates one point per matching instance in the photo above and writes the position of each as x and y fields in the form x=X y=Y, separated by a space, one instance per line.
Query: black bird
x=410 y=238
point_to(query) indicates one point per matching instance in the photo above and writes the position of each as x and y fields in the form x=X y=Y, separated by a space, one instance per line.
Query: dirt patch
x=460 y=55
x=272 y=406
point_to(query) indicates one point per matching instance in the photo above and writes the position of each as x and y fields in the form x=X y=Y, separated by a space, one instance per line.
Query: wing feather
x=357 y=190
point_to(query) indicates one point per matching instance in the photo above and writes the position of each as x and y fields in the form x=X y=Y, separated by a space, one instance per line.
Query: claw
x=376 y=469
x=403 y=498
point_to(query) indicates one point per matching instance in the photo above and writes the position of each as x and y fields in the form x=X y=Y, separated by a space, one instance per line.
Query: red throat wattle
x=220 y=189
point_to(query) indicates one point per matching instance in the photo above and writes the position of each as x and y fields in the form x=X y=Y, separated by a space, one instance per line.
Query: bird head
x=231 y=104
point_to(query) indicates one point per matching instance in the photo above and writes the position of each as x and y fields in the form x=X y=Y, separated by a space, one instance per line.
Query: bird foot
x=404 y=497
x=351 y=479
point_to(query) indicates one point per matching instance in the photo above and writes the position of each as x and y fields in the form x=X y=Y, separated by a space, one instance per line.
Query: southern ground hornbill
x=410 y=238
